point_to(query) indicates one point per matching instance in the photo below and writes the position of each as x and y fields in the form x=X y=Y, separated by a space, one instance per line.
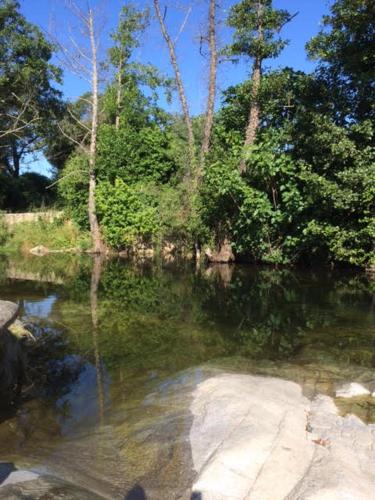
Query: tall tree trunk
x=253 y=122
x=118 y=96
x=180 y=86
x=211 y=85
x=93 y=220
x=15 y=161
x=254 y=114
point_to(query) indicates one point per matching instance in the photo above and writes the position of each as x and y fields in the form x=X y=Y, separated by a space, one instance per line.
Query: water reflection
x=112 y=339
x=136 y=320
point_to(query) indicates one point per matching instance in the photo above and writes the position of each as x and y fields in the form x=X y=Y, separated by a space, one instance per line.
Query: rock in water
x=39 y=250
x=12 y=357
x=352 y=390
x=8 y=313
x=259 y=438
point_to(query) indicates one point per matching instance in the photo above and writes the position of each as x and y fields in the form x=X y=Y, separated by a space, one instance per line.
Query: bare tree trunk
x=211 y=85
x=118 y=96
x=180 y=86
x=254 y=114
x=16 y=161
x=93 y=220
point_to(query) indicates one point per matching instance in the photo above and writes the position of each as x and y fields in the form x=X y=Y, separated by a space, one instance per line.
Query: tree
x=81 y=57
x=345 y=51
x=209 y=117
x=256 y=26
x=131 y=23
x=180 y=86
x=28 y=100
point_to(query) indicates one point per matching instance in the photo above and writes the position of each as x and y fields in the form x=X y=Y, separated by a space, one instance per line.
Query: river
x=118 y=346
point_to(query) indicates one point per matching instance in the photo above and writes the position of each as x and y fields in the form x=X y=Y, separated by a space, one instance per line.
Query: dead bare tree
x=211 y=84
x=82 y=60
x=180 y=87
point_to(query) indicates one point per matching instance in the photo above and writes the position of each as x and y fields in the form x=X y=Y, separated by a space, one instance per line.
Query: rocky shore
x=212 y=435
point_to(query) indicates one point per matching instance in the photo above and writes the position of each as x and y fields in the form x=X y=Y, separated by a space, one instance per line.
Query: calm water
x=119 y=345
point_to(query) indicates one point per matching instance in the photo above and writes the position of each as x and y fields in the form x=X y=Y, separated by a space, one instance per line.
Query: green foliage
x=4 y=234
x=27 y=192
x=131 y=23
x=28 y=101
x=308 y=192
x=73 y=189
x=133 y=155
x=344 y=48
x=60 y=234
x=247 y=17
x=256 y=210
x=128 y=213
x=142 y=213
x=291 y=206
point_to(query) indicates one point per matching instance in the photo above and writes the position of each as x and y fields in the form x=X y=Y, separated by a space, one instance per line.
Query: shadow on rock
x=136 y=493
x=6 y=468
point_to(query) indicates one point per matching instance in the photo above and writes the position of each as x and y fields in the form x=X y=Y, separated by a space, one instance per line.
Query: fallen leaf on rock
x=322 y=442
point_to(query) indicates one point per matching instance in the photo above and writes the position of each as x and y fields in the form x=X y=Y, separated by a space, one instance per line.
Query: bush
x=128 y=213
x=134 y=155
x=73 y=189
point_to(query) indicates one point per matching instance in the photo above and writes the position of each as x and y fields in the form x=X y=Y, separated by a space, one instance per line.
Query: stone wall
x=12 y=219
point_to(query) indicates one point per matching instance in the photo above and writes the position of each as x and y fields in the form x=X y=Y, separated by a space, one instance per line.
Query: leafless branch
x=183 y=24
x=179 y=83
x=77 y=120
x=64 y=177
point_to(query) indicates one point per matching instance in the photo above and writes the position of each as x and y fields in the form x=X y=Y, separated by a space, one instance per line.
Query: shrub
x=128 y=213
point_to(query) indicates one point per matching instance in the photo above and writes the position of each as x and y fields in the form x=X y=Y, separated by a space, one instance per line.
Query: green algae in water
x=361 y=406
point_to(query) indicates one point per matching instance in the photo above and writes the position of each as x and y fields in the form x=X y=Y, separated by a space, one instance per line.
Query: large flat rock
x=203 y=435
x=259 y=438
x=8 y=313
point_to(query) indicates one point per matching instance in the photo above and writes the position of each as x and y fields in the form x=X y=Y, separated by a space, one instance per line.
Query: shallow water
x=120 y=346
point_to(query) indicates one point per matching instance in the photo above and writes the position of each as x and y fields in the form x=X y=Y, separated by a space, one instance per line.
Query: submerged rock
x=352 y=390
x=26 y=484
x=209 y=435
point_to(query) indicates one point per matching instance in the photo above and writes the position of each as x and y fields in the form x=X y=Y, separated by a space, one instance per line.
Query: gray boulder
x=8 y=313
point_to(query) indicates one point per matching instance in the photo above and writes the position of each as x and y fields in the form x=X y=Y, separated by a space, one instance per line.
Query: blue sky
x=51 y=15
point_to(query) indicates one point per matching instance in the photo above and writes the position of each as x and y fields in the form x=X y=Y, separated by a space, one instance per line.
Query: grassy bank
x=59 y=235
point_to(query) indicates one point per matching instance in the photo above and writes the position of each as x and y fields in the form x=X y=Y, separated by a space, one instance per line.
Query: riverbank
x=44 y=234
x=53 y=233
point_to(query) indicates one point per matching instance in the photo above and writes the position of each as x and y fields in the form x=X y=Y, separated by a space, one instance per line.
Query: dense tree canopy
x=301 y=190
x=28 y=100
